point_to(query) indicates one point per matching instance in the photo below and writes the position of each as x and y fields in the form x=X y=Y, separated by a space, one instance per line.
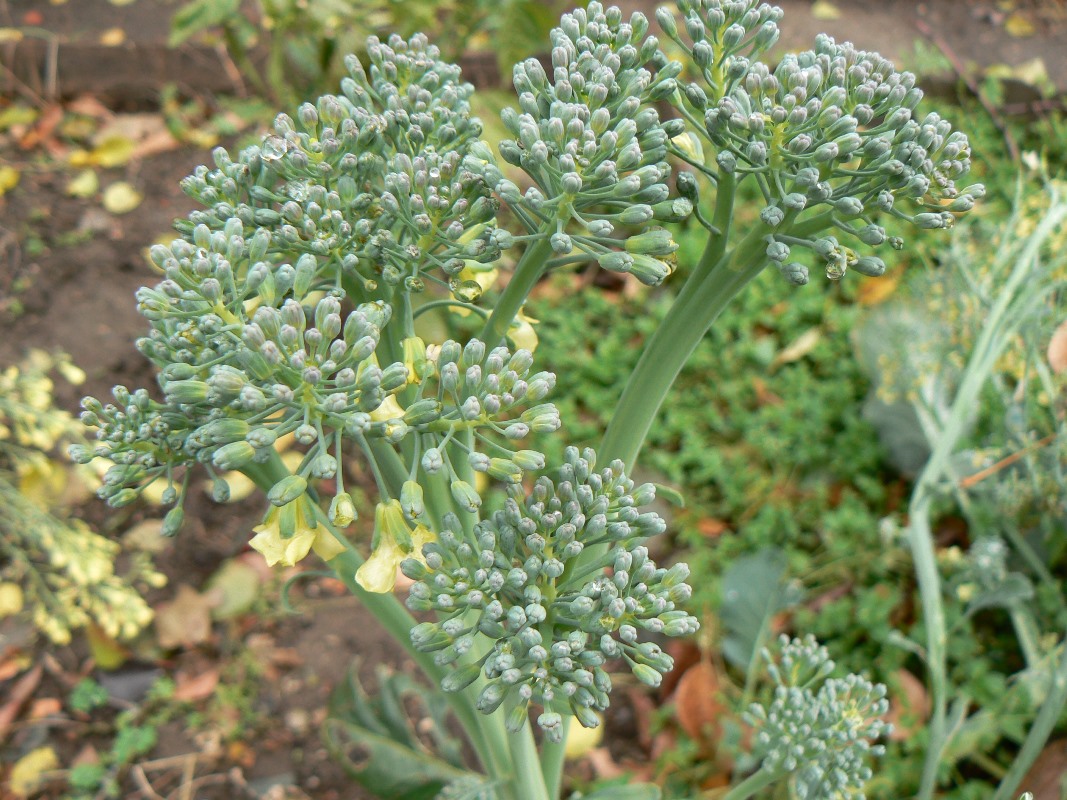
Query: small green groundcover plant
x=298 y=302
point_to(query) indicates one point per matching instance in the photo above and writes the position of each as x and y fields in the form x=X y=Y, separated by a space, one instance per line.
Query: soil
x=75 y=268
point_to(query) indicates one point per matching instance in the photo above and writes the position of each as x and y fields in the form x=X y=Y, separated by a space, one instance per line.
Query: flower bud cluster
x=817 y=729
x=833 y=129
x=511 y=580
x=371 y=184
x=590 y=138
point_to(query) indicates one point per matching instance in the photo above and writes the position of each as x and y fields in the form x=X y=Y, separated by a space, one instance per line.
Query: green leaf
x=754 y=589
x=387 y=768
x=198 y=16
x=379 y=730
x=671 y=495
x=1015 y=588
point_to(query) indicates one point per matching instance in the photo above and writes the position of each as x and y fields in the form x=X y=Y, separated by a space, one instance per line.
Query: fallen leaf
x=1019 y=26
x=1045 y=778
x=84 y=184
x=106 y=651
x=9 y=179
x=711 y=527
x=236 y=585
x=825 y=10
x=89 y=106
x=112 y=37
x=19 y=694
x=121 y=198
x=26 y=775
x=909 y=708
x=697 y=704
x=43 y=128
x=10 y=35
x=121 y=2
x=196 y=687
x=873 y=291
x=45 y=707
x=1057 y=349
x=603 y=764
x=32 y=18
x=15 y=116
x=147 y=131
x=185 y=621
x=764 y=396
x=147 y=536
x=111 y=152
x=799 y=348
x=12 y=662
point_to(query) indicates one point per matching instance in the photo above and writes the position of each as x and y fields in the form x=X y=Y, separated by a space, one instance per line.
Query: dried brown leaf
x=1057 y=349
x=697 y=703
x=185 y=621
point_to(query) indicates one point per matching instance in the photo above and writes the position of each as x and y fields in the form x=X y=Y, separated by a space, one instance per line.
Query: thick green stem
x=752 y=784
x=553 y=754
x=528 y=777
x=527 y=272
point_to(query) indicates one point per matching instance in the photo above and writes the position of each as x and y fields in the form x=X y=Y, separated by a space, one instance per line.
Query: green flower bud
x=287 y=490
x=423 y=412
x=869 y=265
x=233 y=456
x=503 y=469
x=172 y=522
x=186 y=392
x=647 y=675
x=465 y=496
x=653 y=242
x=411 y=499
x=459 y=679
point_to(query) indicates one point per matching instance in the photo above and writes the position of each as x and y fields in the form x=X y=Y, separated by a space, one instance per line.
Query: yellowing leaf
x=121 y=198
x=84 y=184
x=10 y=35
x=1019 y=26
x=800 y=347
x=17 y=115
x=873 y=291
x=113 y=37
x=9 y=179
x=10 y=599
x=114 y=151
x=26 y=776
x=106 y=651
x=121 y=2
x=823 y=9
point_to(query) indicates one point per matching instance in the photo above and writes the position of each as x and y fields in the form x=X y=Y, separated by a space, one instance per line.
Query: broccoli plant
x=288 y=307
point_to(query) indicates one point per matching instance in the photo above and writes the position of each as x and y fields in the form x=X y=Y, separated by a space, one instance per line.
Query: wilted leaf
x=113 y=37
x=18 y=695
x=909 y=707
x=236 y=587
x=147 y=536
x=697 y=703
x=147 y=131
x=799 y=348
x=121 y=198
x=1057 y=349
x=106 y=651
x=84 y=184
x=17 y=115
x=711 y=527
x=114 y=151
x=189 y=688
x=825 y=10
x=1019 y=26
x=26 y=775
x=9 y=179
x=873 y=291
x=185 y=621
x=44 y=707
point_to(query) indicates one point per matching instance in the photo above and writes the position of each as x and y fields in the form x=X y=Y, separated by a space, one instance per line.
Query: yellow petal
x=522 y=333
x=378 y=573
x=389 y=409
x=269 y=543
x=326 y=544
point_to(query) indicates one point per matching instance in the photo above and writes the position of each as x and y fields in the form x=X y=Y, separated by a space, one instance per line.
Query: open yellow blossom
x=394 y=540
x=389 y=409
x=306 y=535
x=522 y=333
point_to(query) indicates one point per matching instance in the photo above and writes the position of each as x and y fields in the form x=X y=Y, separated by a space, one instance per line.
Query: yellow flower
x=394 y=540
x=389 y=409
x=522 y=333
x=415 y=358
x=305 y=535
